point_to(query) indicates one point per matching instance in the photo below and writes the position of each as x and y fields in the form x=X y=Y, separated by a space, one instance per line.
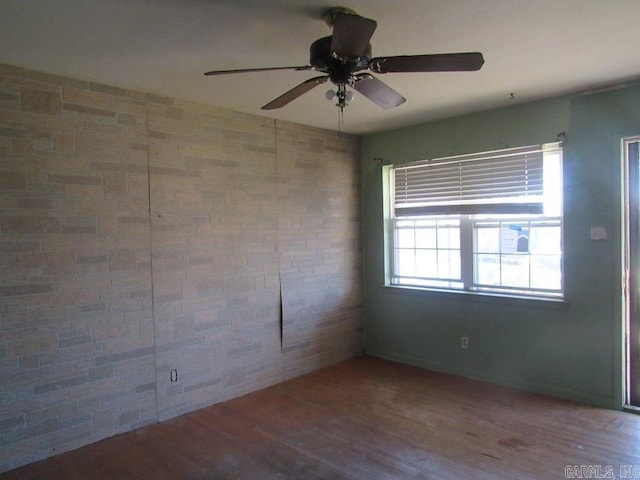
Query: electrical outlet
x=464 y=342
x=173 y=375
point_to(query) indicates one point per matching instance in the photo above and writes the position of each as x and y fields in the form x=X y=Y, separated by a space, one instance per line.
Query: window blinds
x=501 y=181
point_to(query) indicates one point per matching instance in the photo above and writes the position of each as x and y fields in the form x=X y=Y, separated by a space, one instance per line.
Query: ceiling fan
x=345 y=59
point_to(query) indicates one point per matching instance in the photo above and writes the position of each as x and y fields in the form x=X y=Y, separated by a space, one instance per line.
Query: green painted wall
x=573 y=349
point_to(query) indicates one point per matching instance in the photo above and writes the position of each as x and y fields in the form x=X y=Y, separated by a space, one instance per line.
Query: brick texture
x=141 y=234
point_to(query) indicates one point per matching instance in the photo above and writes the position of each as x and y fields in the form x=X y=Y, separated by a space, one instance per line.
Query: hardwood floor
x=367 y=419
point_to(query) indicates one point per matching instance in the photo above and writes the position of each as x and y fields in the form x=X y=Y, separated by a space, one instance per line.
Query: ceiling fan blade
x=295 y=92
x=443 y=62
x=351 y=35
x=378 y=92
x=246 y=70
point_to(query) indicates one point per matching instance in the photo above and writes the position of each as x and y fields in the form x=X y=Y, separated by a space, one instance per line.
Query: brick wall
x=141 y=234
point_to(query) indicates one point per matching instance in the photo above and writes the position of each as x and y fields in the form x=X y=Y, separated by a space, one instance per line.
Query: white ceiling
x=532 y=48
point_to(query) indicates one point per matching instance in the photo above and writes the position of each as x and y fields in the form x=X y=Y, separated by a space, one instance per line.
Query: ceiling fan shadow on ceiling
x=345 y=59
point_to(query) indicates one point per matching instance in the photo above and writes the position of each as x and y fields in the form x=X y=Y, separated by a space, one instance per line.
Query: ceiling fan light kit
x=345 y=59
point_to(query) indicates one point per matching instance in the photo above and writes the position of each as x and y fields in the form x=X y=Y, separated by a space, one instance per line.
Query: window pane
x=488 y=240
x=515 y=270
x=448 y=237
x=449 y=264
x=426 y=263
x=514 y=237
x=427 y=252
x=405 y=263
x=426 y=238
x=529 y=254
x=405 y=238
x=545 y=240
x=487 y=268
x=546 y=272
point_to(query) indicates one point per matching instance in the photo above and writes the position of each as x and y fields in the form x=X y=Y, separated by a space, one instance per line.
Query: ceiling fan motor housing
x=340 y=70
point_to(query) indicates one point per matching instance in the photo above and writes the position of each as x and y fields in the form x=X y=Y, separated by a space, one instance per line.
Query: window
x=488 y=222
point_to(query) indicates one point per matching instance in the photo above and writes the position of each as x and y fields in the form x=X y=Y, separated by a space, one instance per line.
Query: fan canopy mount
x=345 y=59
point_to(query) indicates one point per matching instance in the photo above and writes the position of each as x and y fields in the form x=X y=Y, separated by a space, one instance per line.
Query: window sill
x=484 y=297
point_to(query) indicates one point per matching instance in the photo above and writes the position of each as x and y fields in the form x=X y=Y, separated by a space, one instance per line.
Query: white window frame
x=468 y=221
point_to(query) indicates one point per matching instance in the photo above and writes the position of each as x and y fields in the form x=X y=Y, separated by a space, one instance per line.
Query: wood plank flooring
x=367 y=419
